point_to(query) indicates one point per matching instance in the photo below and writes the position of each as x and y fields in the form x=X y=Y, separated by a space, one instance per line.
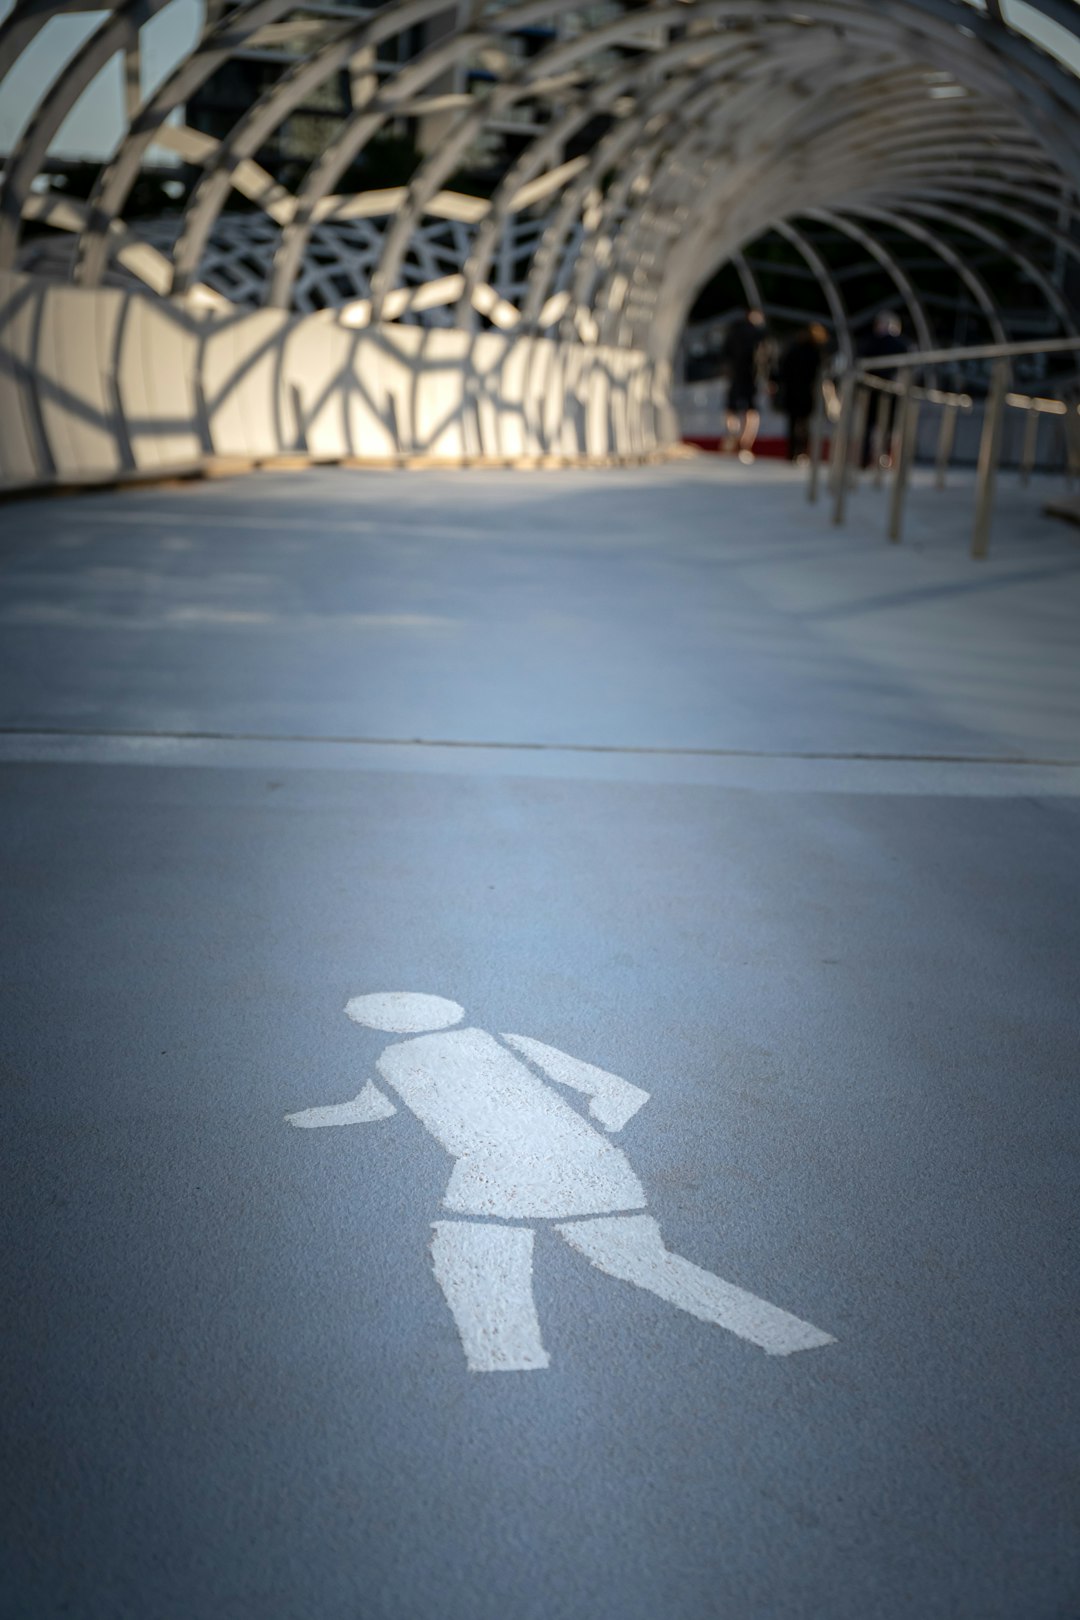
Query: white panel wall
x=156 y=383
x=75 y=381
x=241 y=363
x=24 y=455
x=96 y=383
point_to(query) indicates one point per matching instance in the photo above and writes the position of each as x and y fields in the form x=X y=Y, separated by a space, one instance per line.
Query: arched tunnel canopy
x=575 y=171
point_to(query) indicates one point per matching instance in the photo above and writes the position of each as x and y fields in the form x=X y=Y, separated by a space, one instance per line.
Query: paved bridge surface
x=775 y=822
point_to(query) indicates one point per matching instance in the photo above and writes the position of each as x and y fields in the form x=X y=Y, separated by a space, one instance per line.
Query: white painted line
x=485 y=1273
x=630 y=1247
x=771 y=774
x=368 y=1106
x=612 y=1101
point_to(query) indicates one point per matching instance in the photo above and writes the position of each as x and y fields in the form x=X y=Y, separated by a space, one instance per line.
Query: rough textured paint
x=612 y=1101
x=631 y=1248
x=485 y=1272
x=402 y=1012
x=520 y=1149
x=369 y=1105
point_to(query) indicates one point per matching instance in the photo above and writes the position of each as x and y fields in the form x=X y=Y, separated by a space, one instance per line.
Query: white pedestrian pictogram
x=522 y=1153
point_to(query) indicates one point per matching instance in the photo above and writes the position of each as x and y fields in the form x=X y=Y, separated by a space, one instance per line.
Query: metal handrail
x=978 y=351
x=1049 y=405
x=859 y=384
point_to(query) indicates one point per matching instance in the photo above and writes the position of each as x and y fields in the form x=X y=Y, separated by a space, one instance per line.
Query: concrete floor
x=774 y=820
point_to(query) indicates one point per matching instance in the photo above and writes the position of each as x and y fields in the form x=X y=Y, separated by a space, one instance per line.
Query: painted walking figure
x=522 y=1153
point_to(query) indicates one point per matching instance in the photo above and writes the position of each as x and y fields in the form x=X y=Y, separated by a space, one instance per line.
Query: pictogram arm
x=611 y=1101
x=369 y=1106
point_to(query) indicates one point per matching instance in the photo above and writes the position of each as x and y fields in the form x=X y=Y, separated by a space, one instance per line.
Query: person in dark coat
x=799 y=380
x=740 y=356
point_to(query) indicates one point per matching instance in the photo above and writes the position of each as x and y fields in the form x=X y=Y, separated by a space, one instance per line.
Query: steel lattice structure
x=693 y=127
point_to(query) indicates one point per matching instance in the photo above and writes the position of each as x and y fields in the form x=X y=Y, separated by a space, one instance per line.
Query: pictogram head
x=404 y=1012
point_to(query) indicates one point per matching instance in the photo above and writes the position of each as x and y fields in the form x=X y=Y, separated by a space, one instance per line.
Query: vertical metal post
x=1072 y=441
x=1030 y=445
x=877 y=434
x=946 y=440
x=842 y=447
x=989 y=451
x=863 y=400
x=817 y=435
x=907 y=415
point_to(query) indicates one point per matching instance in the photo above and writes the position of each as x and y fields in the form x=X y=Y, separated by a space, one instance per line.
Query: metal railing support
x=1029 y=447
x=945 y=443
x=989 y=451
x=860 y=419
x=1072 y=444
x=855 y=408
x=907 y=416
x=878 y=435
x=816 y=440
x=842 y=442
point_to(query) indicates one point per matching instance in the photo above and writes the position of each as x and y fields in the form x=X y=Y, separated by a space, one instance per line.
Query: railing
x=859 y=387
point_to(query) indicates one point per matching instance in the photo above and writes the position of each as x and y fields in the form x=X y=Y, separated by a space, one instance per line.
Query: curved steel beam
x=24 y=163
x=732 y=116
x=974 y=283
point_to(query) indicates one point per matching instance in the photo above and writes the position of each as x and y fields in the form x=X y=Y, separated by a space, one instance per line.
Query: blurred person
x=740 y=355
x=798 y=386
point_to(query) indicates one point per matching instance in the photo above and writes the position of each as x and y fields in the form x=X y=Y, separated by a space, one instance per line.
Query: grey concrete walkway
x=774 y=821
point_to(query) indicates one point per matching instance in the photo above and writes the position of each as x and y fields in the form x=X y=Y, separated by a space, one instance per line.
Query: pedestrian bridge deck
x=774 y=821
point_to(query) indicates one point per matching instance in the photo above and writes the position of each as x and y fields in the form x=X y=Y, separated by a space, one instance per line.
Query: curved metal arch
x=117 y=177
x=988 y=195
x=975 y=284
x=1008 y=250
x=635 y=238
x=646 y=240
x=923 y=106
x=1025 y=63
x=24 y=163
x=553 y=140
x=423 y=187
x=559 y=228
x=859 y=140
x=963 y=222
x=436 y=169
x=900 y=117
x=764 y=79
x=24 y=23
x=837 y=308
x=707 y=248
x=1036 y=78
x=327 y=170
x=909 y=149
x=1053 y=236
x=766 y=214
x=260 y=121
x=892 y=267
x=556 y=59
